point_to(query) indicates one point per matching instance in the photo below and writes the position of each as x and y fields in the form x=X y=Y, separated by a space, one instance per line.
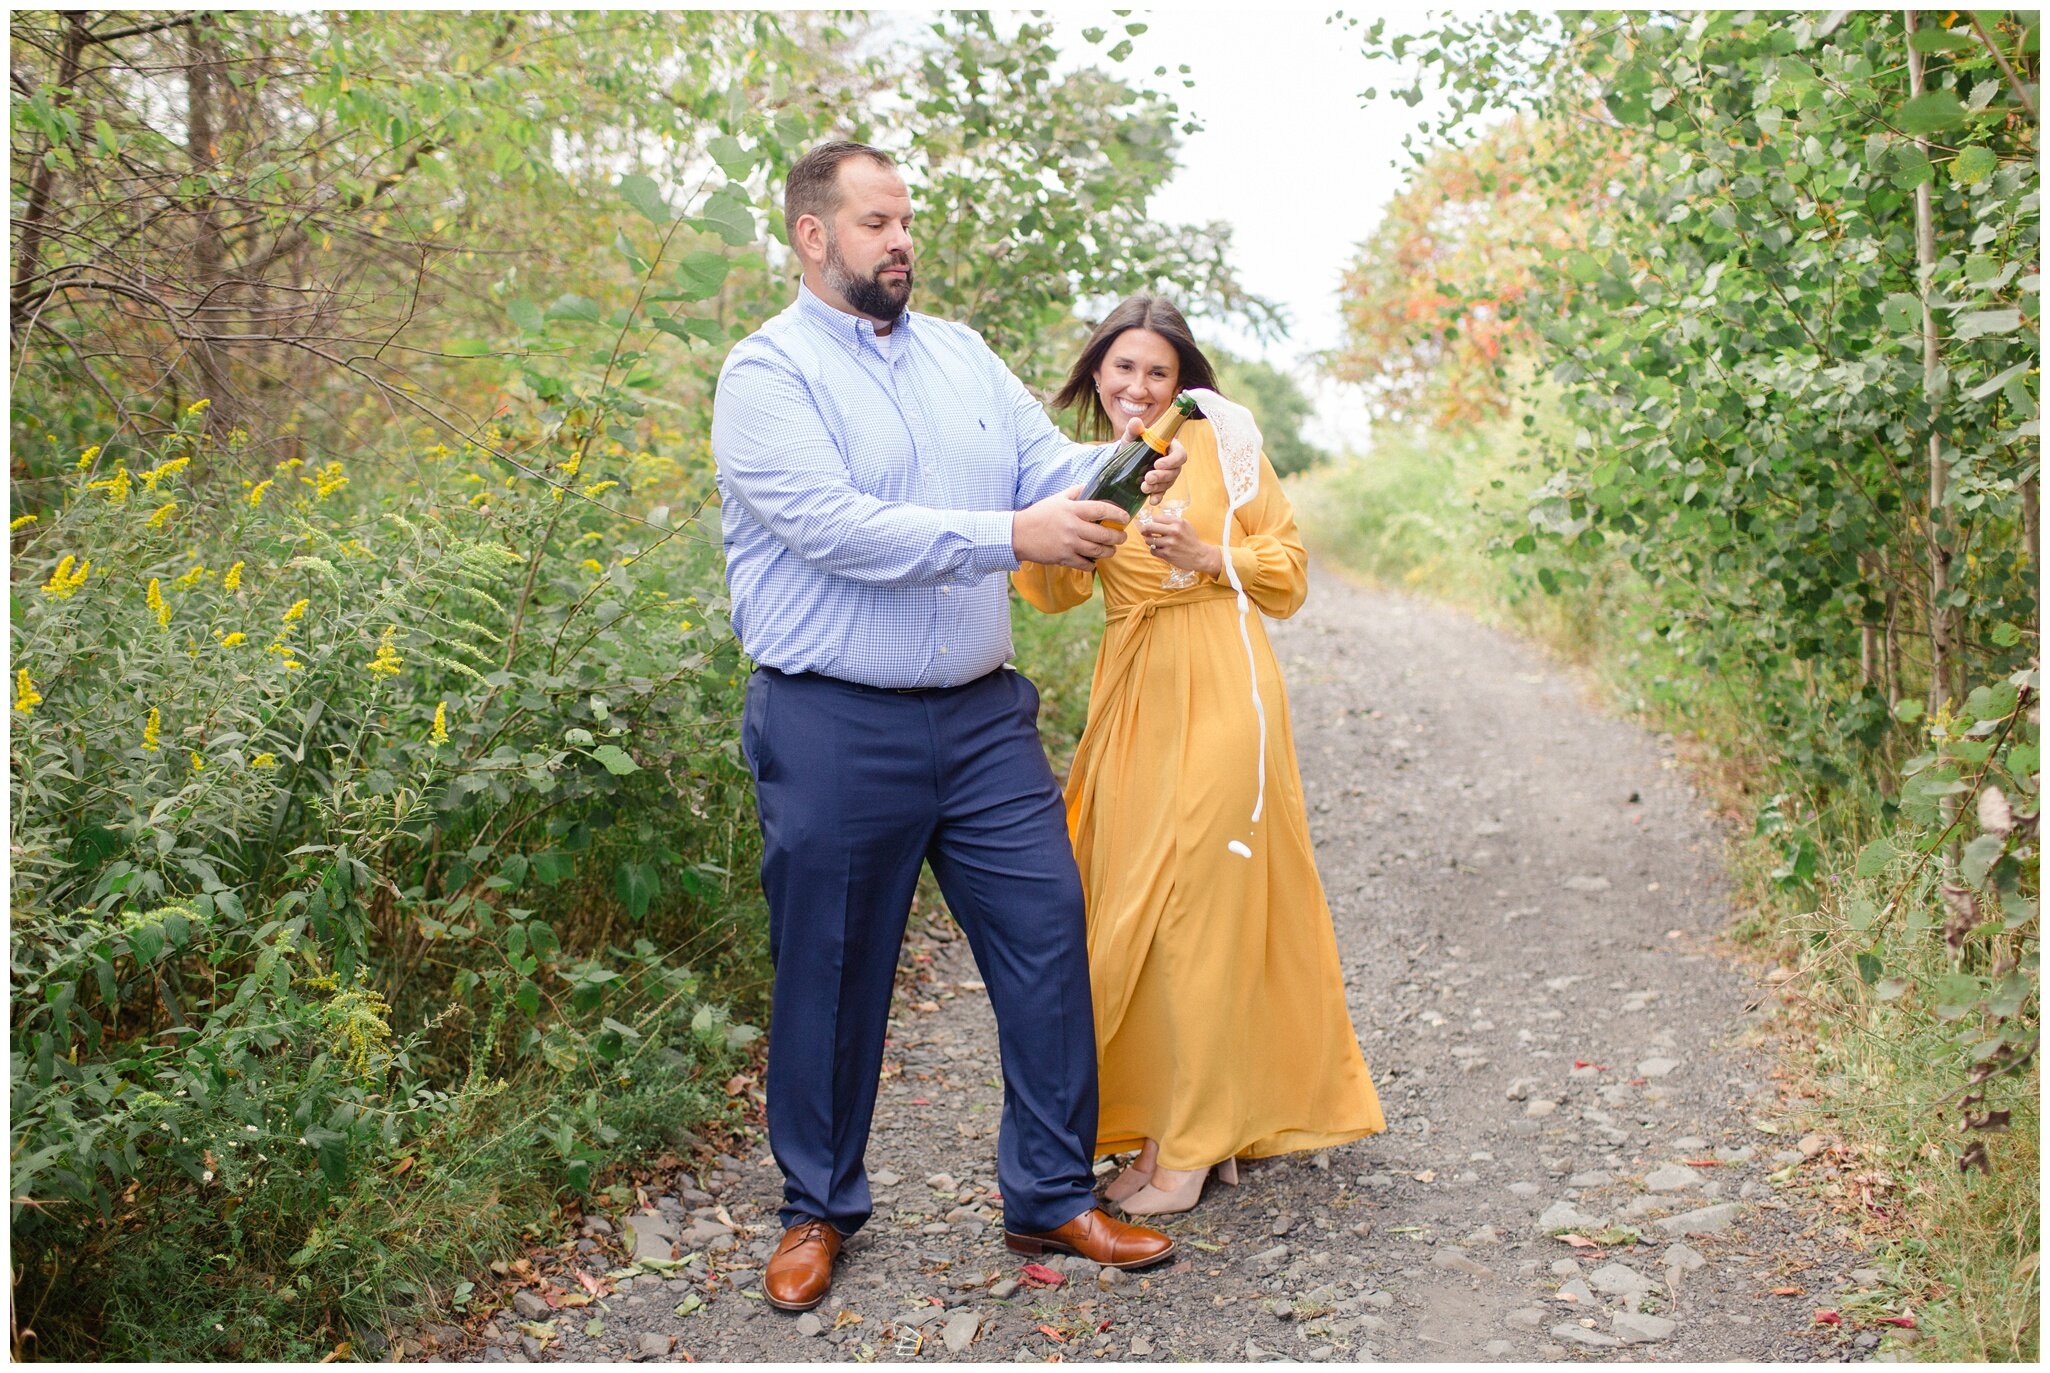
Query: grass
x=1883 y=1077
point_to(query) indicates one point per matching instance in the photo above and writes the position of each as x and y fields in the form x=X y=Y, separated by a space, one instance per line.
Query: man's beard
x=870 y=295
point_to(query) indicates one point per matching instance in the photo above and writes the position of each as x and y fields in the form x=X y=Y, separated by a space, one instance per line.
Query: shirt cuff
x=989 y=536
x=1245 y=561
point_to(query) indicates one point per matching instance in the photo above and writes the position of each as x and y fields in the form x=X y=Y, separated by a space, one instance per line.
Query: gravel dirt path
x=1528 y=898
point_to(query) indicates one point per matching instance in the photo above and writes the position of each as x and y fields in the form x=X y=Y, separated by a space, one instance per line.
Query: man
x=880 y=470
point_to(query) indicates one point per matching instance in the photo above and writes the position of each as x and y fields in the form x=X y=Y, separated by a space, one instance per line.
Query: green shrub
x=366 y=834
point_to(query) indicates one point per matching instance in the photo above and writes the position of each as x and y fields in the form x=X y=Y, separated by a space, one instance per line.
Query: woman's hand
x=1177 y=545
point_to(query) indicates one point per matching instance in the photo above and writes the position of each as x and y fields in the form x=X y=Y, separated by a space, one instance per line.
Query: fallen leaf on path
x=1828 y=1318
x=592 y=1284
x=1789 y=1291
x=1904 y=1322
x=1583 y=1063
x=594 y=1327
x=1056 y=1336
x=846 y=1318
x=1428 y=1175
x=1039 y=1275
x=1580 y=1241
x=1702 y=1162
x=920 y=1101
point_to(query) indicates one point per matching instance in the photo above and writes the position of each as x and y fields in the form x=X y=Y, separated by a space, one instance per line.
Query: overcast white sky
x=1289 y=156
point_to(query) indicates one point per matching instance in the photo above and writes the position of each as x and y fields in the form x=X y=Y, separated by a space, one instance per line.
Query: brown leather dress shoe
x=800 y=1272
x=1098 y=1238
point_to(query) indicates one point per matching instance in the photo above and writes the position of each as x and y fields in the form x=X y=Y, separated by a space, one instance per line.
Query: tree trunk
x=209 y=247
x=1868 y=634
x=1942 y=633
x=35 y=214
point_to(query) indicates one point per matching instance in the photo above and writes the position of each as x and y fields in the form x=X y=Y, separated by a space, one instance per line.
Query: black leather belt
x=865 y=687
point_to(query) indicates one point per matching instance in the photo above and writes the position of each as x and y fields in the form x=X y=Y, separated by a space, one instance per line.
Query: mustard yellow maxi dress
x=1221 y=1026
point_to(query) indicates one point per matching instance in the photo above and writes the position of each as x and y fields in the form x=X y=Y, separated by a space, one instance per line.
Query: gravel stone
x=1574 y=1334
x=1634 y=1328
x=1709 y=1220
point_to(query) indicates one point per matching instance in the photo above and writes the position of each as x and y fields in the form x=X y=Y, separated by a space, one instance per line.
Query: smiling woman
x=1185 y=919
x=1132 y=366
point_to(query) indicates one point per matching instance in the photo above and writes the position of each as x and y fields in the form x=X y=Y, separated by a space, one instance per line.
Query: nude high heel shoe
x=1180 y=1196
x=1134 y=1175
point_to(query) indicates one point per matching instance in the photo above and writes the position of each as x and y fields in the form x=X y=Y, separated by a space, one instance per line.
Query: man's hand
x=1165 y=468
x=1066 y=532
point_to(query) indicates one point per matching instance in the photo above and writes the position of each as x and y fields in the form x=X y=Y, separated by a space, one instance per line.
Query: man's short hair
x=813 y=187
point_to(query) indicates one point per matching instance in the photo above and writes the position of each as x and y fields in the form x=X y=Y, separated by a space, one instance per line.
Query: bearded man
x=881 y=472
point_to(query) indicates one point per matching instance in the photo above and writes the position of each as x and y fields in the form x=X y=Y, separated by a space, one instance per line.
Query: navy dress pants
x=857 y=787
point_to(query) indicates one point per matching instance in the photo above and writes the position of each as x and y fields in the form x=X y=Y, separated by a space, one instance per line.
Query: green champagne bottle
x=1117 y=479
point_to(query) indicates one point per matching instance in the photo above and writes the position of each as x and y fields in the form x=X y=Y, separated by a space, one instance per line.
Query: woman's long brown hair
x=1142 y=311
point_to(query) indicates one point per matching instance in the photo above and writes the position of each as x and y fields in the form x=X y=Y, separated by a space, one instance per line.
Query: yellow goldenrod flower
x=86 y=458
x=198 y=764
x=435 y=739
x=197 y=406
x=237 y=437
x=157 y=605
x=593 y=566
x=163 y=514
x=387 y=661
x=149 y=730
x=481 y=498
x=116 y=486
x=687 y=627
x=194 y=577
x=27 y=698
x=328 y=480
x=264 y=760
x=231 y=640
x=297 y=611
x=24 y=522
x=64 y=583
x=170 y=467
x=569 y=472
x=233 y=581
x=596 y=489
x=255 y=497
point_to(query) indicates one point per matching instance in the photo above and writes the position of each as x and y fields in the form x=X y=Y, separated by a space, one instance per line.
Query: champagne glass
x=1180 y=577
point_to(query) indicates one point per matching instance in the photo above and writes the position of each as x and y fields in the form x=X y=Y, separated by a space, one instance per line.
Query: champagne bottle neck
x=1162 y=431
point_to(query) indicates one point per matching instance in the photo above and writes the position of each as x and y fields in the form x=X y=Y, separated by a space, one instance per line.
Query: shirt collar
x=839 y=323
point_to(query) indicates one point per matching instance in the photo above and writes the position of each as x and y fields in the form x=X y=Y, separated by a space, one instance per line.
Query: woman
x=1221 y=1026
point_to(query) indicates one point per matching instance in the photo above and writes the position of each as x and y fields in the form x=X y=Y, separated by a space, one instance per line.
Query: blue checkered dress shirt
x=868 y=494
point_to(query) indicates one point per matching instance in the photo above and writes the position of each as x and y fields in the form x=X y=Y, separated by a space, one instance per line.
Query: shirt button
x=946 y=591
x=943 y=648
